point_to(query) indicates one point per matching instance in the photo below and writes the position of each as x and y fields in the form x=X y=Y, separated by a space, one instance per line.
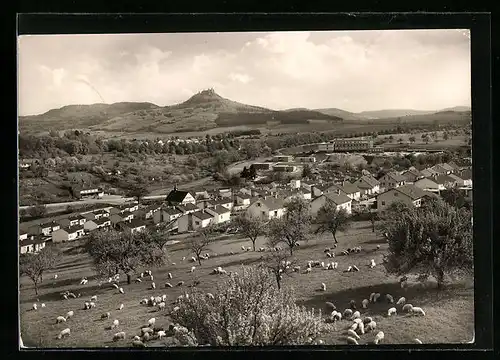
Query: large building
x=346 y=145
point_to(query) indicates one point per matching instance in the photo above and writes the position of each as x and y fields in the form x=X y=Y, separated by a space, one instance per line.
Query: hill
x=346 y=115
x=390 y=113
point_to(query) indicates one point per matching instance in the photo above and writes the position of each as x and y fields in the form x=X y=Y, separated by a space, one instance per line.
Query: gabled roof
x=176 y=196
x=369 y=180
x=338 y=199
x=221 y=201
x=35 y=240
x=76 y=217
x=428 y=172
x=202 y=215
x=446 y=166
x=101 y=211
x=466 y=174
x=443 y=179
x=272 y=203
x=220 y=210
x=428 y=178
x=73 y=229
x=190 y=206
x=455 y=177
x=135 y=223
x=102 y=220
x=412 y=171
x=171 y=211
x=412 y=191
x=48 y=224
x=349 y=188
x=395 y=176
x=244 y=196
x=453 y=165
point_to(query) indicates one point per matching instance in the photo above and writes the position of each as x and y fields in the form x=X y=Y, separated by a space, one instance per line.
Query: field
x=449 y=312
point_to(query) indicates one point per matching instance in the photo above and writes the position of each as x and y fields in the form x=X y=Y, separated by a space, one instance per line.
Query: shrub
x=248 y=310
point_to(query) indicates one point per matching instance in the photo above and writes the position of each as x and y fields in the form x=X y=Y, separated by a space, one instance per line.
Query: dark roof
x=190 y=206
x=73 y=229
x=446 y=166
x=244 y=196
x=126 y=213
x=172 y=211
x=135 y=223
x=101 y=211
x=413 y=172
x=221 y=201
x=272 y=203
x=35 y=240
x=370 y=180
x=349 y=188
x=337 y=199
x=176 y=196
x=412 y=191
x=220 y=210
x=395 y=176
x=202 y=215
x=48 y=224
x=101 y=220
x=443 y=179
x=76 y=217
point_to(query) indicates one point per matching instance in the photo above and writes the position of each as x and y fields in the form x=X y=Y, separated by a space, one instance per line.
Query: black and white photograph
x=245 y=189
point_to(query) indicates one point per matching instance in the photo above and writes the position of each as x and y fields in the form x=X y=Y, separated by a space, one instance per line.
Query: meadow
x=449 y=312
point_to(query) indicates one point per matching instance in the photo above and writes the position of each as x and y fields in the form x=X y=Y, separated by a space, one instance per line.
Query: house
x=295 y=184
x=227 y=203
x=262 y=166
x=457 y=180
x=201 y=195
x=243 y=200
x=368 y=185
x=445 y=180
x=132 y=226
x=92 y=192
x=179 y=197
x=194 y=221
x=306 y=186
x=166 y=214
x=188 y=208
x=220 y=214
x=351 y=190
x=282 y=158
x=23 y=235
x=306 y=195
x=101 y=213
x=428 y=172
x=284 y=168
x=454 y=166
x=305 y=159
x=338 y=198
x=429 y=184
x=73 y=220
x=392 y=180
x=102 y=223
x=443 y=168
x=466 y=175
x=149 y=211
x=123 y=217
x=245 y=191
x=266 y=208
x=32 y=245
x=409 y=194
x=318 y=190
x=289 y=195
x=411 y=175
x=68 y=233
x=46 y=228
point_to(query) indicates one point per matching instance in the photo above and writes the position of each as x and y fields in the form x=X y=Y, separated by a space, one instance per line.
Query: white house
x=339 y=199
x=133 y=226
x=68 y=234
x=368 y=185
x=201 y=219
x=429 y=184
x=72 y=220
x=295 y=184
x=409 y=194
x=178 y=197
x=351 y=190
x=267 y=208
x=166 y=214
x=243 y=200
x=392 y=180
x=220 y=214
x=23 y=235
x=32 y=245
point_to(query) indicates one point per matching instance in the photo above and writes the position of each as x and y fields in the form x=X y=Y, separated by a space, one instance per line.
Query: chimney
x=265 y=197
x=338 y=191
x=175 y=187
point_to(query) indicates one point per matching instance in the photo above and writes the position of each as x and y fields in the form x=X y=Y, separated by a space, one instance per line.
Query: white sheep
x=296 y=269
x=55 y=276
x=105 y=316
x=355 y=315
x=417 y=311
x=161 y=306
x=378 y=337
x=151 y=322
x=35 y=306
x=323 y=287
x=371 y=326
x=143 y=301
x=372 y=263
x=354 y=326
x=119 y=336
x=378 y=247
x=176 y=309
x=138 y=280
x=336 y=265
x=164 y=297
x=180 y=283
x=357 y=320
x=364 y=303
x=210 y=296
x=168 y=285
x=352 y=341
x=193 y=259
x=192 y=269
x=146 y=330
x=145 y=337
x=86 y=306
x=337 y=316
x=355 y=268
x=349 y=269
x=153 y=285
x=376 y=297
x=161 y=334
x=401 y=301
x=417 y=341
x=347 y=313
x=407 y=307
x=353 y=334
x=60 y=319
x=115 y=286
x=115 y=324
x=63 y=333
x=308 y=270
x=43 y=305
x=328 y=255
x=70 y=314
x=120 y=290
x=243 y=247
x=183 y=258
x=169 y=275
x=361 y=328
x=367 y=320
x=322 y=264
x=120 y=307
x=93 y=298
x=391 y=311
x=389 y=298
x=92 y=304
x=136 y=338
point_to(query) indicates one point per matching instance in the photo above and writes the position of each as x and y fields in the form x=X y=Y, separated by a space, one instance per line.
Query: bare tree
x=279 y=263
x=34 y=265
x=200 y=242
x=332 y=220
x=251 y=227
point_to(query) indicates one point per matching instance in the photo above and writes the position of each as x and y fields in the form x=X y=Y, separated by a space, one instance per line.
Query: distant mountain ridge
x=202 y=111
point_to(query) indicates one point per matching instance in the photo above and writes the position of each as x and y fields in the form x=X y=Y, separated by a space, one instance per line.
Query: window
x=197 y=222
x=383 y=202
x=258 y=204
x=275 y=212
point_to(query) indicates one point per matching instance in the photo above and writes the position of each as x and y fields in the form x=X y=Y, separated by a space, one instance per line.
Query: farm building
x=194 y=221
x=411 y=175
x=179 y=197
x=368 y=185
x=429 y=184
x=243 y=200
x=166 y=214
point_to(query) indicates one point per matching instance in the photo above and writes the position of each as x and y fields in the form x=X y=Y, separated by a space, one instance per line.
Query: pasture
x=449 y=313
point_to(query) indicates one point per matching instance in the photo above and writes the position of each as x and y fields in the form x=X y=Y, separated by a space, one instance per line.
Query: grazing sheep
x=120 y=307
x=144 y=301
x=142 y=274
x=145 y=337
x=161 y=306
x=376 y=297
x=153 y=285
x=417 y=341
x=60 y=319
x=308 y=270
x=84 y=281
x=336 y=265
x=407 y=307
x=138 y=343
x=401 y=301
x=93 y=298
x=378 y=337
x=138 y=280
x=180 y=283
x=364 y=303
x=164 y=298
x=192 y=269
x=361 y=328
x=354 y=326
x=372 y=295
x=357 y=320
x=176 y=309
x=193 y=259
x=349 y=269
x=105 y=316
x=119 y=336
x=322 y=264
x=352 y=304
x=161 y=334
x=351 y=341
x=63 y=333
x=355 y=315
x=43 y=305
x=389 y=298
x=115 y=324
x=151 y=322
x=168 y=285
x=355 y=268
x=372 y=263
x=330 y=307
x=70 y=314
x=136 y=338
x=243 y=247
x=169 y=275
x=158 y=299
x=417 y=311
x=35 y=306
x=337 y=316
x=71 y=295
x=183 y=258
x=296 y=269
x=371 y=326
x=116 y=286
x=328 y=255
x=146 y=330
x=210 y=296
x=367 y=320
x=353 y=334
x=329 y=266
x=120 y=290
x=173 y=264
x=391 y=311
x=55 y=276
x=347 y=312
x=323 y=287
x=345 y=252
x=92 y=304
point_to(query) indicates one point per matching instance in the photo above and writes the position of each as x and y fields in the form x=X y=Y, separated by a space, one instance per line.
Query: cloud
x=243 y=78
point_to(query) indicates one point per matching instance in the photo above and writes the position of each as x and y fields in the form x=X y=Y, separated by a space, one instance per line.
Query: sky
x=351 y=70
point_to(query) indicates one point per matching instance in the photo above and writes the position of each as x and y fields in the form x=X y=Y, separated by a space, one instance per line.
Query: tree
x=37 y=211
x=279 y=264
x=114 y=251
x=245 y=172
x=252 y=174
x=446 y=135
x=412 y=139
x=455 y=197
x=138 y=192
x=34 y=265
x=306 y=171
x=332 y=220
x=247 y=310
x=250 y=227
x=200 y=241
x=435 y=239
x=400 y=140
x=293 y=227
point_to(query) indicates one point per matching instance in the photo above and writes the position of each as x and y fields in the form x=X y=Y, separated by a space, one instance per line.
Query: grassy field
x=449 y=313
